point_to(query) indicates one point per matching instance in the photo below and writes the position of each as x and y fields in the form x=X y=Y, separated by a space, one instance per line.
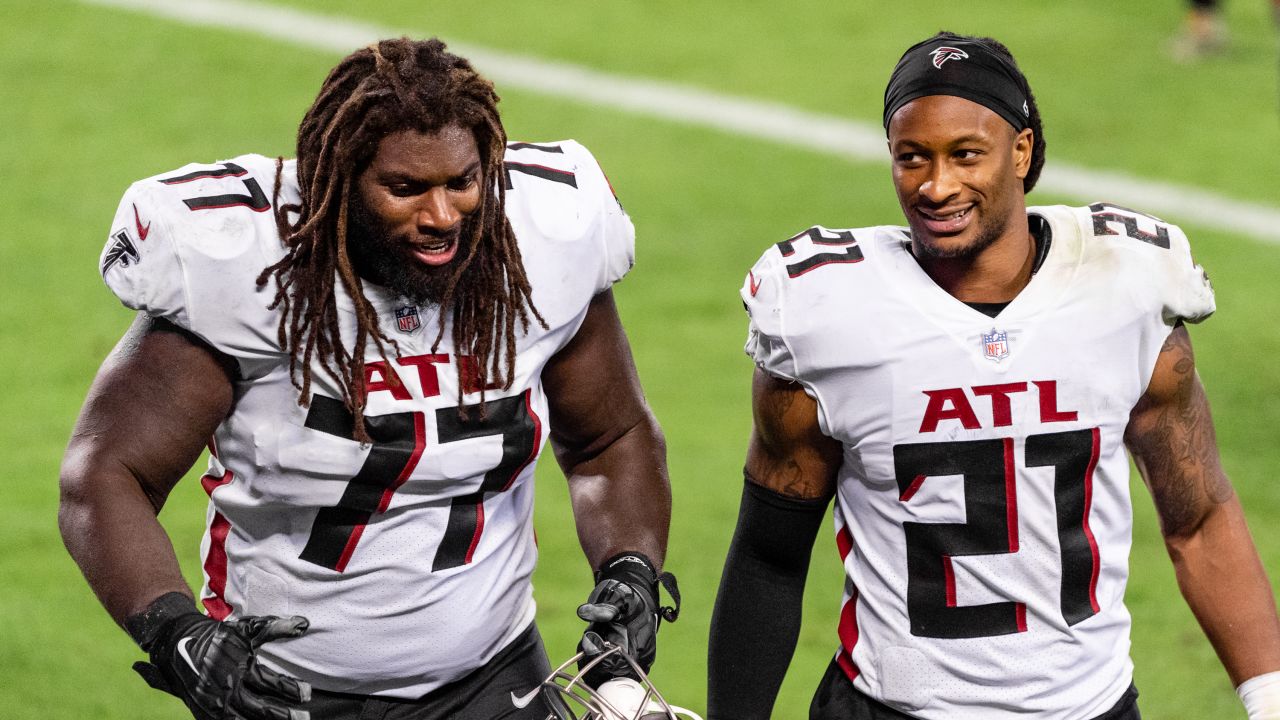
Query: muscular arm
x=155 y=402
x=1171 y=436
x=788 y=453
x=791 y=477
x=608 y=442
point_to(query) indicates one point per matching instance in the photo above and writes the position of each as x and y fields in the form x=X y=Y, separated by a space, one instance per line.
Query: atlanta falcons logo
x=944 y=53
x=122 y=252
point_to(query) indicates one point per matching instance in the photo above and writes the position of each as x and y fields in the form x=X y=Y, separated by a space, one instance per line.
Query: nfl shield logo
x=995 y=345
x=407 y=319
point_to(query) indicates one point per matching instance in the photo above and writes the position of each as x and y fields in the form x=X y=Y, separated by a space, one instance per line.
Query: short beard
x=383 y=258
x=987 y=235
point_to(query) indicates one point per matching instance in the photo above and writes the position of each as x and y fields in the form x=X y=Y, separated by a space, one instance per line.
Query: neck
x=995 y=274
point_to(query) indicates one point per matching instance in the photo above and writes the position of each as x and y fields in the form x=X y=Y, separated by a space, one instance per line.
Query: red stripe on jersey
x=849 y=623
x=349 y=548
x=1021 y=610
x=846 y=664
x=950 y=573
x=215 y=566
x=213 y=482
x=1011 y=494
x=1088 y=533
x=217 y=608
x=848 y=626
x=844 y=542
x=215 y=561
x=910 y=492
x=849 y=630
x=475 y=539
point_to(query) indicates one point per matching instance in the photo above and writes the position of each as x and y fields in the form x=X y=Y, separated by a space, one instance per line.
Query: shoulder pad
x=557 y=194
x=188 y=246
x=1162 y=255
x=767 y=288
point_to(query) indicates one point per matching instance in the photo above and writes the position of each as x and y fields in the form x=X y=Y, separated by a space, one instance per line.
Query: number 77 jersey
x=982 y=511
x=412 y=554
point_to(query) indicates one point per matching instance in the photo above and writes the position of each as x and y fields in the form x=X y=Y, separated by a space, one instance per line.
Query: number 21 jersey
x=982 y=510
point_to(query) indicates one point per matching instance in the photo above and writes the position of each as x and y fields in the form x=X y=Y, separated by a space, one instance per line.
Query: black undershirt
x=989 y=309
x=1043 y=235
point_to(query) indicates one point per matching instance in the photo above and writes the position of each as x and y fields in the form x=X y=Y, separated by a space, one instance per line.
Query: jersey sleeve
x=613 y=229
x=140 y=263
x=173 y=253
x=1152 y=256
x=763 y=295
x=1187 y=294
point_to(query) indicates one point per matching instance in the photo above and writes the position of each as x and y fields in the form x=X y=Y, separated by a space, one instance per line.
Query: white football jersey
x=983 y=512
x=411 y=556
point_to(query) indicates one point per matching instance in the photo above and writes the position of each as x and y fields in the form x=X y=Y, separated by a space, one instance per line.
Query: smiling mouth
x=946 y=223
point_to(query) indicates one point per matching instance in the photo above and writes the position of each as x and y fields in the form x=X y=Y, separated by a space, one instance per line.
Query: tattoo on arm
x=1172 y=439
x=785 y=478
x=788 y=452
x=784 y=475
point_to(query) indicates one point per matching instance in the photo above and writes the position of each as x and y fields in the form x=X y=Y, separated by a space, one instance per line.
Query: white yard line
x=857 y=141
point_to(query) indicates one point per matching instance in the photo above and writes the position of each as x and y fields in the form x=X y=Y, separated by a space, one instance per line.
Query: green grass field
x=93 y=98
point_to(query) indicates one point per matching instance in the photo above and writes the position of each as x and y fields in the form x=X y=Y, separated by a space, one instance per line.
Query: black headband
x=963 y=68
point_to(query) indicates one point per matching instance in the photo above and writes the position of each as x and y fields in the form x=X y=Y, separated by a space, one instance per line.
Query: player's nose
x=437 y=212
x=940 y=184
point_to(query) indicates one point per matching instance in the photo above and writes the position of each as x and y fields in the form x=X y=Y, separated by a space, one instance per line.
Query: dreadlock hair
x=387 y=87
x=1033 y=119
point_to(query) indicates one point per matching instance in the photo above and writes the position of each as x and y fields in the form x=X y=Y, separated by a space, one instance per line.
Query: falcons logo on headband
x=945 y=53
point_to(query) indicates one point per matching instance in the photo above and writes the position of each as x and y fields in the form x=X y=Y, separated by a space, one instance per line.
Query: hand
x=623 y=611
x=211 y=667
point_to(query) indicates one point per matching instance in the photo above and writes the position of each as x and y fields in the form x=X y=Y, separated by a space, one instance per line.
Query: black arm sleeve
x=757 y=614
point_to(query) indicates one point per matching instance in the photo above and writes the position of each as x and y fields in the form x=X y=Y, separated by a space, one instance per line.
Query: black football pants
x=836 y=699
x=485 y=694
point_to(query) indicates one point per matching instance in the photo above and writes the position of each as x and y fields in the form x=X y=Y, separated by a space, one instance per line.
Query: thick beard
x=384 y=258
x=987 y=235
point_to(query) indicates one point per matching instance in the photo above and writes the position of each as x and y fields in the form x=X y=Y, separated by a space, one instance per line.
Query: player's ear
x=1023 y=144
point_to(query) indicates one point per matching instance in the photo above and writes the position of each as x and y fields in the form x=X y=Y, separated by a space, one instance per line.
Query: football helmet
x=567 y=696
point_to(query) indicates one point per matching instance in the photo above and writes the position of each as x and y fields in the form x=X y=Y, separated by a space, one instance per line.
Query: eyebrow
x=396 y=174
x=962 y=140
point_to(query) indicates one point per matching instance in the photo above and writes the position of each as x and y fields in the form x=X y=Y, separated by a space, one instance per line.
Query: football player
x=966 y=388
x=375 y=341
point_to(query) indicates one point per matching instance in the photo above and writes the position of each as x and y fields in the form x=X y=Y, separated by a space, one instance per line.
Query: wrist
x=636 y=569
x=631 y=567
x=1261 y=696
x=149 y=626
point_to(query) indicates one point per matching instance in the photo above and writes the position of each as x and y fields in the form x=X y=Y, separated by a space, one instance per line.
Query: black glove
x=623 y=610
x=210 y=665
